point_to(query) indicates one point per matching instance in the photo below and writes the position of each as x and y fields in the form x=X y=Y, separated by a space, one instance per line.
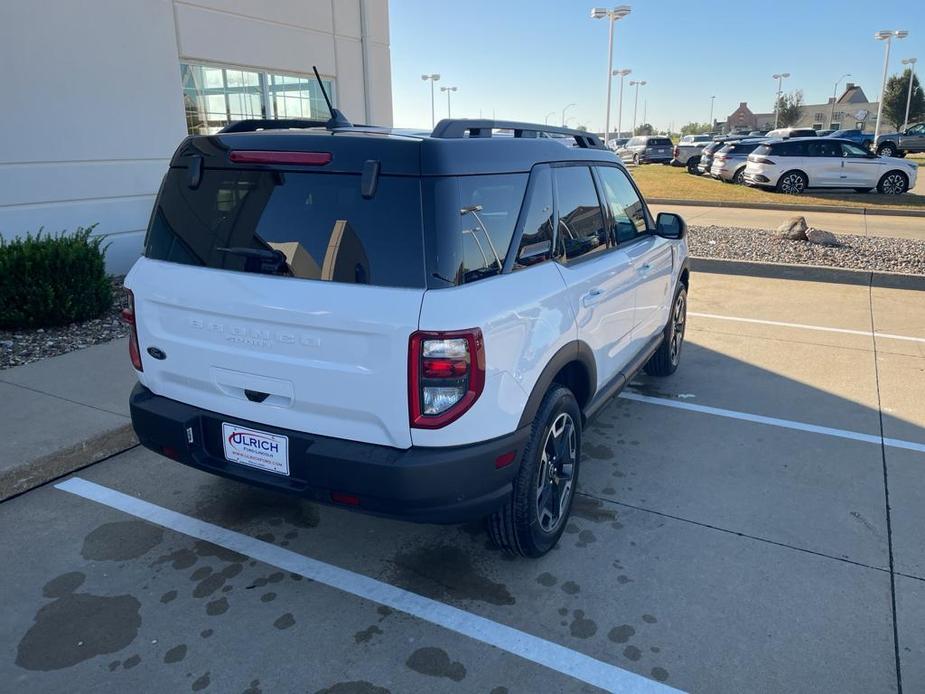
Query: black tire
x=667 y=357
x=862 y=190
x=692 y=165
x=886 y=149
x=893 y=183
x=792 y=183
x=636 y=159
x=520 y=527
x=739 y=177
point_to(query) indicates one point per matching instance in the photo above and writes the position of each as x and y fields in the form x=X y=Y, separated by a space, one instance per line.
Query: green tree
x=582 y=128
x=789 y=108
x=894 y=100
x=645 y=129
x=695 y=128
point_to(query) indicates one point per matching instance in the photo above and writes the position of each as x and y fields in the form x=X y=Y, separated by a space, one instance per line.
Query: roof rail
x=452 y=128
x=253 y=124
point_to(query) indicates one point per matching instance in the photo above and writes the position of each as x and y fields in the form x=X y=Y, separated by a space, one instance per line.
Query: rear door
x=284 y=298
x=600 y=278
x=825 y=163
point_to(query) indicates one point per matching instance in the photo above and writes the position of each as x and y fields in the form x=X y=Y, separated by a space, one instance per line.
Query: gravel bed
x=19 y=347
x=853 y=252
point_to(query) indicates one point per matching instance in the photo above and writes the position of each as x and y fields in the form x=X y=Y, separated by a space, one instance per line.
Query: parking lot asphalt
x=752 y=523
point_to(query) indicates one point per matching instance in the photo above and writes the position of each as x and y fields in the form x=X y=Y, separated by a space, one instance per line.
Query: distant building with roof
x=851 y=110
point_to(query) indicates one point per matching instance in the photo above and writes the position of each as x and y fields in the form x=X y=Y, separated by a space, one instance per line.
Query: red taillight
x=676 y=151
x=761 y=160
x=128 y=316
x=446 y=374
x=345 y=499
x=268 y=157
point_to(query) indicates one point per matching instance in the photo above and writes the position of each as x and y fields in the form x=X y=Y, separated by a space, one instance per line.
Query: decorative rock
x=793 y=229
x=821 y=236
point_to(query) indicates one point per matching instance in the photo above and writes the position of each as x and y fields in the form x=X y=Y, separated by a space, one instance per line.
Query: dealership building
x=98 y=93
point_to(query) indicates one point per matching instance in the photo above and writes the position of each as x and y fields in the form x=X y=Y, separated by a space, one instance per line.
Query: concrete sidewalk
x=63 y=413
x=836 y=222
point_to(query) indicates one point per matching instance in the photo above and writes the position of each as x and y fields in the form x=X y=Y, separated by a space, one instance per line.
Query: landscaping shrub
x=48 y=280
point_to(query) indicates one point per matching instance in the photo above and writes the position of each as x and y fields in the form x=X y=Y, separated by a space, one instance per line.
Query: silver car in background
x=646 y=149
x=729 y=161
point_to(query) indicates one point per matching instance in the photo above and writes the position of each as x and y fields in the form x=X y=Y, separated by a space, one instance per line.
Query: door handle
x=644 y=269
x=592 y=297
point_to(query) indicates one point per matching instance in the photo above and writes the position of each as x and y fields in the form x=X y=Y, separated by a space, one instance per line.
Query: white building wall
x=92 y=99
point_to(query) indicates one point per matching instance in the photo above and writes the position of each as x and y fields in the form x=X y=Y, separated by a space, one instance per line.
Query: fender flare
x=576 y=350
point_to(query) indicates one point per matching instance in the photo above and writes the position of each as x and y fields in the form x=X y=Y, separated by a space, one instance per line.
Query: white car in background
x=791 y=166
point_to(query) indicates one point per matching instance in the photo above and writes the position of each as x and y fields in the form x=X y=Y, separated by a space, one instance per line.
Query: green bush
x=48 y=280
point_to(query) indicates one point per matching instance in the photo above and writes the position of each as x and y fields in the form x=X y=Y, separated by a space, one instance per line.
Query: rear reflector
x=267 y=157
x=345 y=499
x=505 y=459
x=170 y=452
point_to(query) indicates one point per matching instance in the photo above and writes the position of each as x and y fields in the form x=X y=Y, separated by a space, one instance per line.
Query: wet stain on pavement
x=585 y=538
x=121 y=540
x=207 y=549
x=443 y=571
x=217 y=607
x=175 y=654
x=621 y=634
x=169 y=596
x=253 y=688
x=660 y=674
x=632 y=653
x=77 y=626
x=592 y=509
x=366 y=635
x=206 y=633
x=623 y=579
x=284 y=622
x=546 y=579
x=598 y=451
x=649 y=619
x=131 y=662
x=358 y=687
x=436 y=663
x=499 y=690
x=236 y=506
x=201 y=573
x=214 y=581
x=180 y=559
x=581 y=627
x=571 y=587
x=201 y=683
x=268 y=597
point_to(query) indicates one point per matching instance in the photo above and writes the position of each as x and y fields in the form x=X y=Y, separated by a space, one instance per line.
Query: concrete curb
x=34 y=473
x=832 y=209
x=808 y=273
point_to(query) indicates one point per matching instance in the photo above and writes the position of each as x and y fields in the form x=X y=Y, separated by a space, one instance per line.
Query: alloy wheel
x=793 y=184
x=887 y=151
x=678 y=321
x=894 y=184
x=556 y=473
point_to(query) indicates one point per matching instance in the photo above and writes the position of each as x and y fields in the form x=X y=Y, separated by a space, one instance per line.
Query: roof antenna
x=337 y=119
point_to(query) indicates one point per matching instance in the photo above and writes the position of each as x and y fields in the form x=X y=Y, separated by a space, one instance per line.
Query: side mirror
x=669 y=225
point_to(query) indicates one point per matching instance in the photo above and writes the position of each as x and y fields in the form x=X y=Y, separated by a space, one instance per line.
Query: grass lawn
x=658 y=181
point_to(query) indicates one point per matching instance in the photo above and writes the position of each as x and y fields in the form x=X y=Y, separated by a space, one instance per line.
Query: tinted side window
x=627 y=212
x=488 y=209
x=536 y=241
x=822 y=148
x=581 y=223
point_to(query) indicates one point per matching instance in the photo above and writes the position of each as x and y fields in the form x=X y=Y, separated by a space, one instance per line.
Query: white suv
x=792 y=166
x=412 y=326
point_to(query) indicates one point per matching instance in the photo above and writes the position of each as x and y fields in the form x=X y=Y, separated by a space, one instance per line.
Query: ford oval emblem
x=156 y=353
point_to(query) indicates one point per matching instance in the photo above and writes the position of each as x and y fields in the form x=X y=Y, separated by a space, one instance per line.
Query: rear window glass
x=306 y=225
x=761 y=150
x=659 y=142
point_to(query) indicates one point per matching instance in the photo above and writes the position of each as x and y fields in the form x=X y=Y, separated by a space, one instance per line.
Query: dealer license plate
x=254 y=448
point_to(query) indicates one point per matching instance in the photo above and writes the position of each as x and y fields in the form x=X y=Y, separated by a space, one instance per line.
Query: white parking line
x=804 y=326
x=774 y=421
x=532 y=648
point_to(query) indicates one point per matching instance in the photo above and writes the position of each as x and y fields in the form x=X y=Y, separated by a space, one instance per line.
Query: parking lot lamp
x=433 y=78
x=613 y=16
x=448 y=90
x=563 y=113
x=637 y=84
x=911 y=63
x=551 y=113
x=780 y=81
x=712 y=100
x=886 y=35
x=623 y=72
x=835 y=96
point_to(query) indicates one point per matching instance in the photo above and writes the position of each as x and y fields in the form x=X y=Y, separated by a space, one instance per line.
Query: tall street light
x=835 y=96
x=911 y=63
x=563 y=113
x=885 y=35
x=780 y=81
x=433 y=78
x=712 y=99
x=623 y=72
x=637 y=84
x=614 y=15
x=551 y=113
x=448 y=90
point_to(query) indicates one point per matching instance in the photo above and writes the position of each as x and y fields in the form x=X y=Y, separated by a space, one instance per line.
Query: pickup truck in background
x=687 y=152
x=908 y=141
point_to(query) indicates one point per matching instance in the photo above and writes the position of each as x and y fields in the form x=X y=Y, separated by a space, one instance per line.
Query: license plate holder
x=255 y=448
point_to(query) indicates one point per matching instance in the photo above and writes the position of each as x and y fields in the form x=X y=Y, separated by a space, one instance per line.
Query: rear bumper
x=429 y=485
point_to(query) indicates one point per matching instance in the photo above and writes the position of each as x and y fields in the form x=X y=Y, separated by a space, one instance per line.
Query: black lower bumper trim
x=430 y=485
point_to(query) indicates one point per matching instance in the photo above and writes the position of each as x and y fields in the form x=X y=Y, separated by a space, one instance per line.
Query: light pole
x=614 y=15
x=551 y=113
x=433 y=78
x=911 y=63
x=885 y=35
x=563 y=113
x=835 y=96
x=623 y=72
x=780 y=80
x=637 y=84
x=448 y=90
x=712 y=99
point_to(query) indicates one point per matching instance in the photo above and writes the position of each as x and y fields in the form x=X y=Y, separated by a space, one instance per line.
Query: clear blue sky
x=522 y=59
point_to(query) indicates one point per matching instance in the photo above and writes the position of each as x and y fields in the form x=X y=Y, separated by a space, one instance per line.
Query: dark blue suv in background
x=858 y=137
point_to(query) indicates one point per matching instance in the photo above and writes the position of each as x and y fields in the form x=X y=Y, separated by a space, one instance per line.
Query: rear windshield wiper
x=270 y=261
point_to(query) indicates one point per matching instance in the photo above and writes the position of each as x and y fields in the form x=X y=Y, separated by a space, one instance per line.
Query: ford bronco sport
x=411 y=325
